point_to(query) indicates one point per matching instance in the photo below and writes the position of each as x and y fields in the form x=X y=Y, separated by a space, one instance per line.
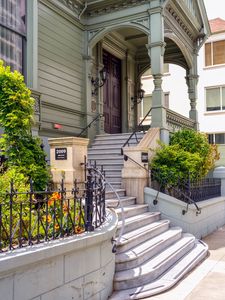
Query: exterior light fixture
x=98 y=81
x=140 y=96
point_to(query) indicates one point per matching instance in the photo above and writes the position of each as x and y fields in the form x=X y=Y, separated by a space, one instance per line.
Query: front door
x=112 y=93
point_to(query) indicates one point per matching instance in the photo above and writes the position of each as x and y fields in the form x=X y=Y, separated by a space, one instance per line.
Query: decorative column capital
x=156 y=44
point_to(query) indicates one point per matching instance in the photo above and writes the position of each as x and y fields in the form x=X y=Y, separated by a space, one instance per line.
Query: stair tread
x=142 y=248
x=142 y=216
x=153 y=263
x=167 y=279
x=131 y=207
x=134 y=233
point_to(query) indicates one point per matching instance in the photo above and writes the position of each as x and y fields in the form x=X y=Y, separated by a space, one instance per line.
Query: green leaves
x=189 y=154
x=23 y=151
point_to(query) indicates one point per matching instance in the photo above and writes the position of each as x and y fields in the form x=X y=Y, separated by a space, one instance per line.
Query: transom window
x=215 y=53
x=13 y=33
x=215 y=98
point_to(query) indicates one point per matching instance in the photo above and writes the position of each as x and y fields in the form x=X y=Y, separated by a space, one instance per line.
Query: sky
x=215 y=9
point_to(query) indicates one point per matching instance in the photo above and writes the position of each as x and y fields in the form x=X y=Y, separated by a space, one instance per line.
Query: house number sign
x=60 y=153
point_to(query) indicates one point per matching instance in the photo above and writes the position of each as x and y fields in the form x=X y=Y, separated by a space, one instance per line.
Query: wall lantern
x=98 y=81
x=140 y=96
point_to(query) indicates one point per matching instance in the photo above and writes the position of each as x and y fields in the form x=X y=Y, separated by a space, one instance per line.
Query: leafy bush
x=23 y=151
x=189 y=155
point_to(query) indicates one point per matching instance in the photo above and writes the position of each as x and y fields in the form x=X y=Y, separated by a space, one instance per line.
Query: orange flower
x=79 y=229
x=47 y=218
x=56 y=226
x=55 y=196
x=65 y=208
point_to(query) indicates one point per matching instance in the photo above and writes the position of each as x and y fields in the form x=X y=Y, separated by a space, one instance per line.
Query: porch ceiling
x=138 y=40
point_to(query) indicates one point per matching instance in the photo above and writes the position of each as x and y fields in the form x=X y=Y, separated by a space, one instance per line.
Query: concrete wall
x=78 y=267
x=212 y=214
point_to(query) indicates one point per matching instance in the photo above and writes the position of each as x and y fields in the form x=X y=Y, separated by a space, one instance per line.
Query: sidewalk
x=207 y=281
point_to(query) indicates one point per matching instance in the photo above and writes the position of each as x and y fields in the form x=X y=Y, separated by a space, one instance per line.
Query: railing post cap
x=219 y=172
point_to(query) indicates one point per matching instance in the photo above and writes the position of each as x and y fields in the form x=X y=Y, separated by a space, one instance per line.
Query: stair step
x=100 y=156
x=105 y=151
x=135 y=237
x=137 y=221
x=119 y=136
x=131 y=210
x=101 y=161
x=111 y=194
x=126 y=201
x=140 y=253
x=168 y=279
x=153 y=268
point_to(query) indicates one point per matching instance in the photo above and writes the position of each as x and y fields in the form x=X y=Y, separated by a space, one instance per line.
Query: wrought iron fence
x=34 y=217
x=194 y=190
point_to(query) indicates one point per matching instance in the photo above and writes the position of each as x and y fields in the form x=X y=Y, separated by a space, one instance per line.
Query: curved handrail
x=135 y=131
x=89 y=125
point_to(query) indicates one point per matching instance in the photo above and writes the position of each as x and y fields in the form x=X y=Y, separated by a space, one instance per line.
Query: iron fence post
x=89 y=205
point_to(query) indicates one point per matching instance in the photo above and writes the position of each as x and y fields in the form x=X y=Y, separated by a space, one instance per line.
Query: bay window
x=13 y=33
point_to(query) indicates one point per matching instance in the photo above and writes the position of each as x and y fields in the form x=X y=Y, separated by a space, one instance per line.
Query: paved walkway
x=207 y=281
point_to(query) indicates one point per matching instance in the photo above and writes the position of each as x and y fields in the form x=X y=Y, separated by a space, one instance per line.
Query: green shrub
x=189 y=155
x=23 y=151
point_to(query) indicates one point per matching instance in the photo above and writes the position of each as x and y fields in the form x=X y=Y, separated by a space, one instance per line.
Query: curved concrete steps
x=151 y=256
x=169 y=278
x=146 y=250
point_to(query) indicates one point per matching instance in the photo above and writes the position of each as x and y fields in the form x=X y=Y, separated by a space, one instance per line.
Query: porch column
x=192 y=83
x=156 y=49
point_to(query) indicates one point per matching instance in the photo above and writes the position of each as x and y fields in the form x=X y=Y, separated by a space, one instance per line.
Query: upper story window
x=13 y=33
x=215 y=53
x=215 y=98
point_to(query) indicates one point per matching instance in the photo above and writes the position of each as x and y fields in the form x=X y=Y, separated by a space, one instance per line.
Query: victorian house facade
x=63 y=46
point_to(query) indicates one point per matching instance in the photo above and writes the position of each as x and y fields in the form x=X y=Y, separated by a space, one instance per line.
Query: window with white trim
x=216 y=138
x=13 y=33
x=215 y=98
x=215 y=53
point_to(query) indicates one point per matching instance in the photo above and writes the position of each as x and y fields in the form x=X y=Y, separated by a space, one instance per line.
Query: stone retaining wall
x=212 y=214
x=78 y=267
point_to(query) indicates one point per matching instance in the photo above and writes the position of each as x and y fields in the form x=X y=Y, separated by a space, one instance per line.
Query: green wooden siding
x=60 y=71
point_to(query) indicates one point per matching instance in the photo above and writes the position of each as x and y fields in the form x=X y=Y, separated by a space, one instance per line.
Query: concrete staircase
x=151 y=255
x=106 y=151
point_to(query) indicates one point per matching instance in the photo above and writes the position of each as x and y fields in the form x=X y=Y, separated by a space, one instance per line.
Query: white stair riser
x=139 y=223
x=133 y=212
x=110 y=194
x=125 y=202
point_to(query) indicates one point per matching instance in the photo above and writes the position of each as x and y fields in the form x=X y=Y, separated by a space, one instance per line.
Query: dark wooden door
x=112 y=93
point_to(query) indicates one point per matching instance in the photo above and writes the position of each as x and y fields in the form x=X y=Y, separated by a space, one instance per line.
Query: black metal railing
x=138 y=128
x=33 y=217
x=90 y=124
x=187 y=190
